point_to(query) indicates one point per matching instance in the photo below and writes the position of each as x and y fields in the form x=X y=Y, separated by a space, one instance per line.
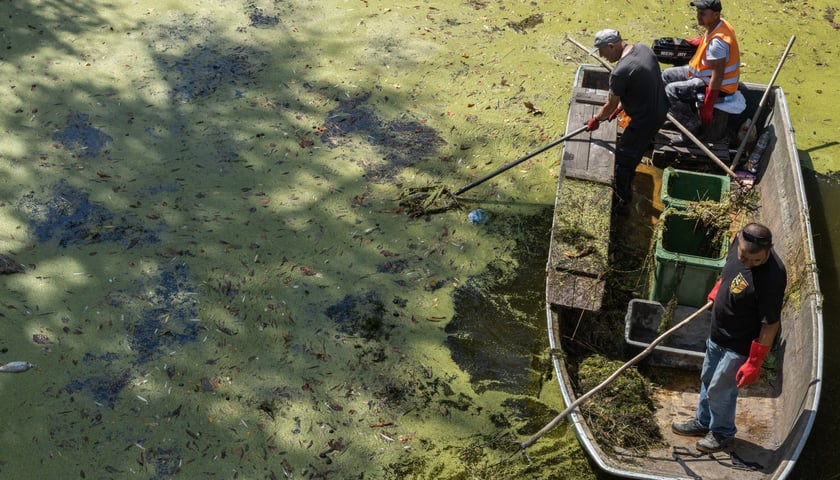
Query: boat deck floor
x=749 y=455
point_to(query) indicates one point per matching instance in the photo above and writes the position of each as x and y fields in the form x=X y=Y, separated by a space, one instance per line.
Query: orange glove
x=615 y=113
x=751 y=369
x=592 y=124
x=713 y=291
x=708 y=108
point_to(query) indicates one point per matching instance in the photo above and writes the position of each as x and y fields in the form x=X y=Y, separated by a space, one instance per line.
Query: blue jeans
x=719 y=390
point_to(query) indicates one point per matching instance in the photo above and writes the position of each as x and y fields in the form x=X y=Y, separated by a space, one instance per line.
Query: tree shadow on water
x=187 y=321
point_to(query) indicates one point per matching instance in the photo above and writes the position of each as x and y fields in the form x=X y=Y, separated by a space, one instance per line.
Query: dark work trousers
x=628 y=154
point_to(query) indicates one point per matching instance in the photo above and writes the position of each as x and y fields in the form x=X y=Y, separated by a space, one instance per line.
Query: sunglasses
x=760 y=241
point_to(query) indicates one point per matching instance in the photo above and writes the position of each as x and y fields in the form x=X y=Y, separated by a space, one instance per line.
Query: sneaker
x=713 y=442
x=689 y=428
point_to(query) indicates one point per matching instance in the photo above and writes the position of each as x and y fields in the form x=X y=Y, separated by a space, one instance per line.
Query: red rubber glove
x=751 y=369
x=693 y=41
x=708 y=108
x=615 y=113
x=592 y=124
x=713 y=291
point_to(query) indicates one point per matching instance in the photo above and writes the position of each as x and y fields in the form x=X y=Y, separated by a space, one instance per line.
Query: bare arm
x=609 y=107
x=768 y=333
x=718 y=67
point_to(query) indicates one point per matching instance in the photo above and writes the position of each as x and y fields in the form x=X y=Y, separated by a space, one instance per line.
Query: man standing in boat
x=745 y=320
x=635 y=87
x=712 y=74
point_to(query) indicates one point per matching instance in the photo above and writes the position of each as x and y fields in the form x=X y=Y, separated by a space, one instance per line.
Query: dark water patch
x=104 y=385
x=72 y=219
x=526 y=24
x=392 y=266
x=403 y=143
x=163 y=188
x=259 y=19
x=80 y=137
x=497 y=327
x=169 y=322
x=534 y=413
x=361 y=315
x=165 y=461
x=481 y=336
x=181 y=31
x=201 y=71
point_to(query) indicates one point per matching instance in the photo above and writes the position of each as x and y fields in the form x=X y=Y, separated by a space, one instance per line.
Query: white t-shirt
x=717 y=49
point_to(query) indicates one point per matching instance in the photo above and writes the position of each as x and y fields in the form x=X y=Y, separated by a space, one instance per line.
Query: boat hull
x=775 y=417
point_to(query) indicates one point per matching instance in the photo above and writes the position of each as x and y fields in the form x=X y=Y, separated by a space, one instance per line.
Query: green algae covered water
x=220 y=278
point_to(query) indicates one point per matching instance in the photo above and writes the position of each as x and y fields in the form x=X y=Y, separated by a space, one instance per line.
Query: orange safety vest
x=698 y=67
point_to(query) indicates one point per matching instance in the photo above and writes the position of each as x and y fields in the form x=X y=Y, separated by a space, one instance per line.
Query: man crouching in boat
x=745 y=319
x=636 y=87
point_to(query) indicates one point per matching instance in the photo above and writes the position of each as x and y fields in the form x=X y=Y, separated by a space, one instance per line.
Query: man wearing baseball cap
x=714 y=71
x=636 y=87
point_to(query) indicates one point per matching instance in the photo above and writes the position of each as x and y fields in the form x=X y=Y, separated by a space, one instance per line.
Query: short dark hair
x=756 y=237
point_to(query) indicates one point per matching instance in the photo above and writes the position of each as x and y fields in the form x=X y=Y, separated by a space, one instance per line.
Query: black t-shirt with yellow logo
x=747 y=298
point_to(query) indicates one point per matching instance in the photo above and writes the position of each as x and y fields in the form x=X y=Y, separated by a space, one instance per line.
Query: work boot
x=689 y=428
x=713 y=442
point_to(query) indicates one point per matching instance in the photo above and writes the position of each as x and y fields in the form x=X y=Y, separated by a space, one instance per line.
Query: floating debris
x=478 y=216
x=15 y=367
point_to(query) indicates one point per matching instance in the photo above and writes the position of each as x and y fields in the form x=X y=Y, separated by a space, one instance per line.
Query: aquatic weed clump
x=621 y=414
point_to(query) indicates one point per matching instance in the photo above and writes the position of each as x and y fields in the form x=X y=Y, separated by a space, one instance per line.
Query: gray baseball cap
x=605 y=36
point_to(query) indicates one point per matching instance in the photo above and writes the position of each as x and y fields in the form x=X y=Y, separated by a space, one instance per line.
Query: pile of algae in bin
x=220 y=279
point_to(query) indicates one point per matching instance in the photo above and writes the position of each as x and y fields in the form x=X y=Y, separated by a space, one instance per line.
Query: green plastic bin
x=688 y=259
x=681 y=187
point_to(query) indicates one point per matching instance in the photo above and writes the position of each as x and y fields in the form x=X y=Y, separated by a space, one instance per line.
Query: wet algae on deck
x=219 y=278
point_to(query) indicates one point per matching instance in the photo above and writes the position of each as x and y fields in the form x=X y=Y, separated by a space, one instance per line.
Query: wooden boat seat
x=590 y=155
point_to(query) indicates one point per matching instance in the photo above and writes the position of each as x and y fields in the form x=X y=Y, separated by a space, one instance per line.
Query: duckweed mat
x=219 y=278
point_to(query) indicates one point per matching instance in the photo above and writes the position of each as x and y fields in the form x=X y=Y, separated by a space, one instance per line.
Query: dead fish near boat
x=9 y=265
x=15 y=367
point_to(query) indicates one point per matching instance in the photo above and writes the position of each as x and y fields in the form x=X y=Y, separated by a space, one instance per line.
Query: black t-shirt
x=747 y=298
x=637 y=80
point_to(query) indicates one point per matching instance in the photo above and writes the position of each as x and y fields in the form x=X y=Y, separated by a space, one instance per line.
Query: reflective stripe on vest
x=698 y=67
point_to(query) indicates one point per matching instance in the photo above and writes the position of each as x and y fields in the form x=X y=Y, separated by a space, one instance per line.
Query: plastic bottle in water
x=755 y=157
x=478 y=216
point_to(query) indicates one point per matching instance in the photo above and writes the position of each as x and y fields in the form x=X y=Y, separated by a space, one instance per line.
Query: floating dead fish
x=16 y=367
